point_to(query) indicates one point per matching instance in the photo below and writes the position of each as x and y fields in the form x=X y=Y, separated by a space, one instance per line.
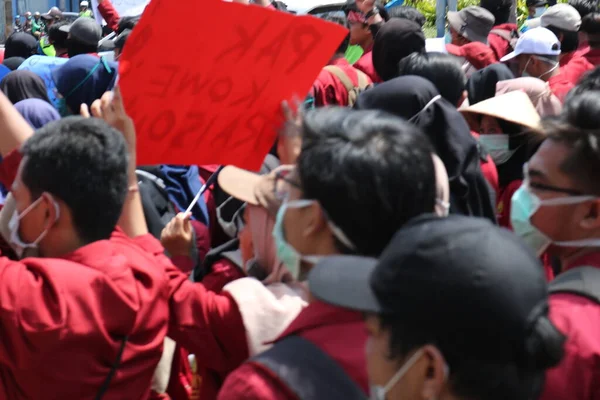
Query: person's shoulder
x=253 y=381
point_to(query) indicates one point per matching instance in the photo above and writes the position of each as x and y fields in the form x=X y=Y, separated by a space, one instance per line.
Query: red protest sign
x=210 y=92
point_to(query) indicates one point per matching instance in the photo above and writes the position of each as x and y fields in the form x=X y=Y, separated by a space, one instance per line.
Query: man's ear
x=437 y=373
x=592 y=219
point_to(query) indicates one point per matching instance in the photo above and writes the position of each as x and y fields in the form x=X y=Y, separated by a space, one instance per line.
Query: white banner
x=125 y=8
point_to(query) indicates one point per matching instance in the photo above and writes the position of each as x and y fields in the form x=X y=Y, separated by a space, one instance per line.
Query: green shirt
x=353 y=53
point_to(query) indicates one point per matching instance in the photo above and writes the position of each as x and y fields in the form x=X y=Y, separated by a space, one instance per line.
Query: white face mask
x=13 y=225
x=497 y=145
x=233 y=227
x=442 y=208
x=379 y=392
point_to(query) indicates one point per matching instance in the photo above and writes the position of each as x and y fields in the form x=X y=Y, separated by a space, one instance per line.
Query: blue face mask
x=285 y=252
x=448 y=37
x=524 y=204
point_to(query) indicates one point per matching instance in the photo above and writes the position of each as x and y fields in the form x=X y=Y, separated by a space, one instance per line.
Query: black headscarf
x=395 y=40
x=23 y=85
x=447 y=130
x=482 y=83
x=13 y=63
x=20 y=44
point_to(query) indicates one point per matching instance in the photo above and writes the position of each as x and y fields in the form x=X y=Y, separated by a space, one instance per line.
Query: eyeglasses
x=284 y=182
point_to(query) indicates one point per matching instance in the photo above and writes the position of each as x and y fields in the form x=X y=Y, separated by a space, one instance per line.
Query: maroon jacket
x=498 y=44
x=328 y=90
x=577 y=377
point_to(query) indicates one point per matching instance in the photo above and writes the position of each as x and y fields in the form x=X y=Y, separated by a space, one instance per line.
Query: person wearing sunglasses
x=557 y=209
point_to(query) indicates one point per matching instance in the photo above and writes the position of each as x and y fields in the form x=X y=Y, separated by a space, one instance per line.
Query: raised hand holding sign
x=215 y=98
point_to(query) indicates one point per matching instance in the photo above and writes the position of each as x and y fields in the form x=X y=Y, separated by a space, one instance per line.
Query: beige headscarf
x=545 y=102
x=261 y=224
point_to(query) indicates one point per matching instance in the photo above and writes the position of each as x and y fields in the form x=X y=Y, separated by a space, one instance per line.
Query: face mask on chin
x=9 y=227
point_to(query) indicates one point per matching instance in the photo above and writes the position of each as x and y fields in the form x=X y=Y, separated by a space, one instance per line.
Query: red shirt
x=586 y=61
x=477 y=54
x=109 y=14
x=577 y=377
x=365 y=64
x=329 y=90
x=63 y=321
x=207 y=382
x=338 y=332
x=498 y=44
x=561 y=85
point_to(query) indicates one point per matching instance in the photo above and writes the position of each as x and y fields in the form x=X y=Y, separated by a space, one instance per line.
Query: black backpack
x=307 y=371
x=158 y=209
x=582 y=281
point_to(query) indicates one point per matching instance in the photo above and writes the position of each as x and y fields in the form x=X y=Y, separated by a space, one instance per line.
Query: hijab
x=20 y=44
x=13 y=63
x=482 y=84
x=395 y=40
x=84 y=79
x=37 y=112
x=271 y=269
x=4 y=70
x=545 y=102
x=407 y=97
x=22 y=85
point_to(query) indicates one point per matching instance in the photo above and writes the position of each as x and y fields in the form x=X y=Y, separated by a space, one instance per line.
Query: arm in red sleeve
x=208 y=325
x=253 y=382
x=109 y=13
x=9 y=167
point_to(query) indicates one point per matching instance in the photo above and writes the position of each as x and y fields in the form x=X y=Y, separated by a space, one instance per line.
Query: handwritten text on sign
x=214 y=96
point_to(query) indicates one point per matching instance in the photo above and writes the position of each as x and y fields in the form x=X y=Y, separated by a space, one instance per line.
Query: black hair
x=343 y=21
x=369 y=170
x=443 y=70
x=383 y=12
x=58 y=37
x=590 y=24
x=75 y=47
x=499 y=8
x=407 y=12
x=127 y=23
x=122 y=39
x=578 y=127
x=569 y=41
x=584 y=7
x=476 y=379
x=82 y=162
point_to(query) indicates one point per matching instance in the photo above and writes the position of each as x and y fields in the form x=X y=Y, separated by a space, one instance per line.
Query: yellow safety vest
x=46 y=47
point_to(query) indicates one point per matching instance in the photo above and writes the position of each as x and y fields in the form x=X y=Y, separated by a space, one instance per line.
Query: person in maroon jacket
x=365 y=17
x=311 y=200
x=455 y=308
x=503 y=31
x=557 y=209
x=96 y=299
x=338 y=80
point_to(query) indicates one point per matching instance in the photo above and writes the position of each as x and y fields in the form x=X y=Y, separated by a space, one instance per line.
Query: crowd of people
x=425 y=226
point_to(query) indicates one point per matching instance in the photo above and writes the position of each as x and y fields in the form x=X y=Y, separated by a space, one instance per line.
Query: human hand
x=177 y=237
x=290 y=137
x=364 y=6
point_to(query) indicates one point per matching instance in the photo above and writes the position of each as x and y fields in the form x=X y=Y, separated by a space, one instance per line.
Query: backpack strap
x=341 y=75
x=307 y=371
x=504 y=34
x=113 y=370
x=582 y=281
x=215 y=254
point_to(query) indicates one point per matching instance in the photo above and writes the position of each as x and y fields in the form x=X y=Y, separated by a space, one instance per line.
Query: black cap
x=461 y=277
x=84 y=30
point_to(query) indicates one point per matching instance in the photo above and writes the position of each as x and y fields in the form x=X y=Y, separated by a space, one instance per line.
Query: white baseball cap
x=538 y=41
x=84 y=4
